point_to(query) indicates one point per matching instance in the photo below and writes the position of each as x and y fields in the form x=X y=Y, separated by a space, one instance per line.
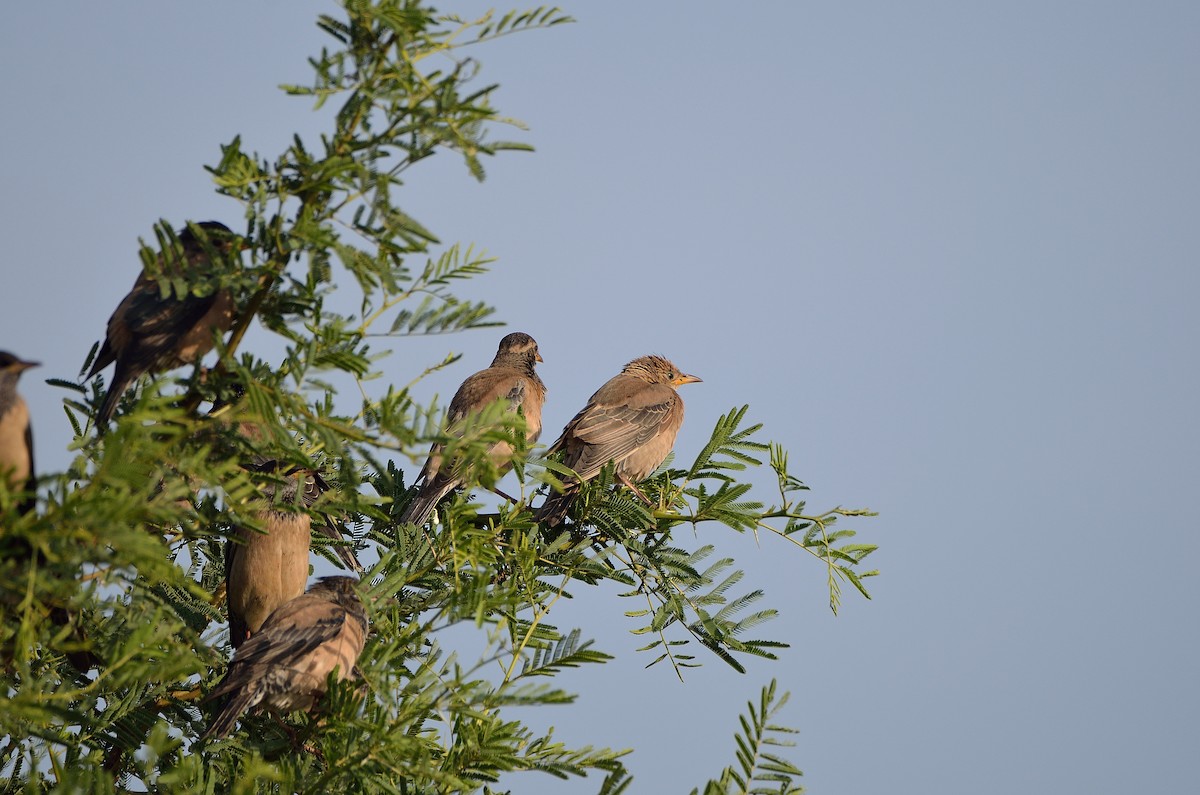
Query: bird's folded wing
x=484 y=388
x=611 y=433
x=291 y=634
x=148 y=313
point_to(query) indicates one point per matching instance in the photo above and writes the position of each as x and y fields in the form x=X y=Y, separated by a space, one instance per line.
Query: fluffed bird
x=16 y=432
x=266 y=569
x=149 y=333
x=510 y=378
x=287 y=664
x=631 y=421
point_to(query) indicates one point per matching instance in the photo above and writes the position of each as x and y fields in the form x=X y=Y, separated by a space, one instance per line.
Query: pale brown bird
x=17 y=469
x=286 y=665
x=16 y=432
x=266 y=569
x=510 y=378
x=150 y=333
x=252 y=430
x=631 y=421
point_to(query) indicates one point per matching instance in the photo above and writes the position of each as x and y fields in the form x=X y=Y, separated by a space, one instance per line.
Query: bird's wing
x=290 y=634
x=486 y=387
x=533 y=396
x=154 y=320
x=477 y=393
x=237 y=623
x=31 y=483
x=614 y=425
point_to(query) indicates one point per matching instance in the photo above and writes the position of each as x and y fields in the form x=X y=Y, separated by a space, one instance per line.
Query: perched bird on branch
x=286 y=665
x=510 y=378
x=265 y=569
x=631 y=421
x=16 y=432
x=150 y=333
x=17 y=469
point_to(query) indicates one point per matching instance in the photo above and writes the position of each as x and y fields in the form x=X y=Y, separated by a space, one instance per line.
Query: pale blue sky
x=946 y=251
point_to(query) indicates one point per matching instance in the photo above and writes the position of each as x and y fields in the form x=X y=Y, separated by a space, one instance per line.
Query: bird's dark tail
x=427 y=498
x=239 y=633
x=121 y=381
x=237 y=703
x=554 y=509
x=29 y=502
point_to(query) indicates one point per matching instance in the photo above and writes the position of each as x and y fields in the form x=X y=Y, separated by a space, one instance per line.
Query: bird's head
x=338 y=589
x=519 y=344
x=217 y=234
x=12 y=366
x=659 y=370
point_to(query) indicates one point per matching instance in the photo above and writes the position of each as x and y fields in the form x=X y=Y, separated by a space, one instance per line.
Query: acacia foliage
x=112 y=590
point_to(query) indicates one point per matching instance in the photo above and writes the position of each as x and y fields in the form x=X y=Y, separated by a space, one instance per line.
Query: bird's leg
x=621 y=476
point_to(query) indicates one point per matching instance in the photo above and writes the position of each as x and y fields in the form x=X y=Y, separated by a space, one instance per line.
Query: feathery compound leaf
x=568 y=652
x=754 y=762
x=729 y=449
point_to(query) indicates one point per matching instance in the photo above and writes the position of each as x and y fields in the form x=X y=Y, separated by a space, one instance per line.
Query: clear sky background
x=946 y=252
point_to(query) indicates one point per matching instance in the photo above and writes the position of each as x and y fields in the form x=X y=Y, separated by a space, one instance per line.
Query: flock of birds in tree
x=288 y=640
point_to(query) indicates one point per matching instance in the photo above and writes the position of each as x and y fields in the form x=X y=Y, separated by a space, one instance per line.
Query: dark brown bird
x=510 y=378
x=149 y=333
x=632 y=421
x=16 y=433
x=286 y=665
x=266 y=569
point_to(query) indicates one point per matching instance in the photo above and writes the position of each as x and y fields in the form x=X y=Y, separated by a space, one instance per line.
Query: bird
x=510 y=378
x=287 y=664
x=16 y=433
x=266 y=569
x=17 y=469
x=631 y=421
x=150 y=333
x=254 y=436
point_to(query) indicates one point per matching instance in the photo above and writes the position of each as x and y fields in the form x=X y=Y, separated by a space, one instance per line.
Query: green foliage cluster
x=112 y=590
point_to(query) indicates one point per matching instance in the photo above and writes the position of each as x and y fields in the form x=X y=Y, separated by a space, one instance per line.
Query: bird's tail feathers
x=427 y=498
x=420 y=508
x=112 y=398
x=239 y=633
x=554 y=509
x=233 y=708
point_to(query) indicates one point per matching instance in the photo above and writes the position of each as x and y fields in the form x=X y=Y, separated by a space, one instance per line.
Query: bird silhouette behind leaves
x=150 y=333
x=287 y=664
x=510 y=378
x=631 y=421
x=16 y=433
